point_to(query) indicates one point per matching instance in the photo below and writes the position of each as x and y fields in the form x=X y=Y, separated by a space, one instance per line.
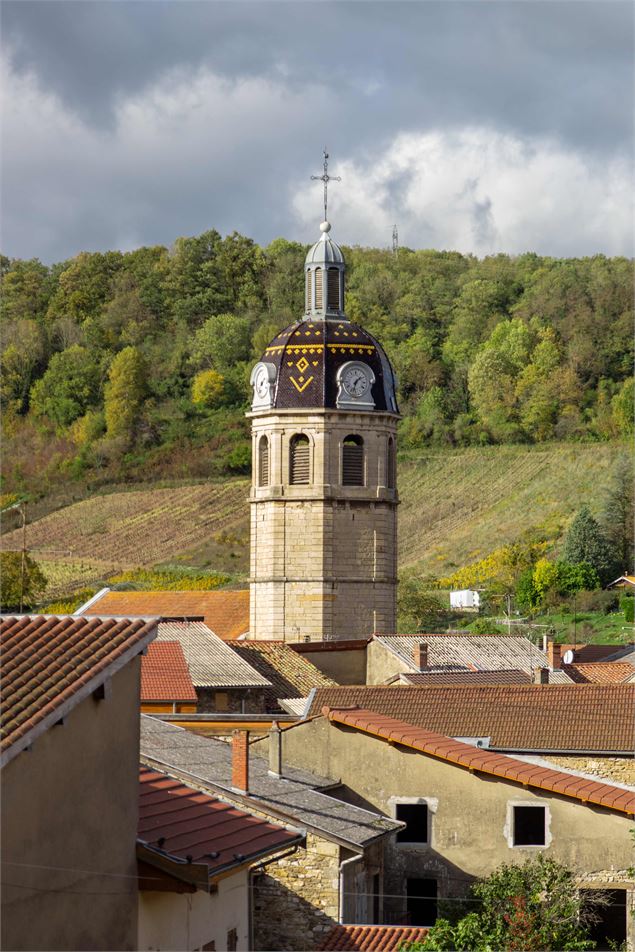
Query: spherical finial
x=325 y=226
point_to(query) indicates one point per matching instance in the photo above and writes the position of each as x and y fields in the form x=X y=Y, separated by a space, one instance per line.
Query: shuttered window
x=299 y=461
x=390 y=464
x=353 y=461
x=309 y=303
x=333 y=289
x=318 y=288
x=263 y=461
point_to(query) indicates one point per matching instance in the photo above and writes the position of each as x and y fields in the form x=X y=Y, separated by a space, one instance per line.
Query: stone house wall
x=618 y=769
x=231 y=700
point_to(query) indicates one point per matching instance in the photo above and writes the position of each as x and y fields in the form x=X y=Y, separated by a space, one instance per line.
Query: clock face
x=355 y=381
x=261 y=383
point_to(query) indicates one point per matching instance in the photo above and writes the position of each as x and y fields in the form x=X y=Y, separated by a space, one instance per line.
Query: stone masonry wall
x=620 y=769
x=296 y=900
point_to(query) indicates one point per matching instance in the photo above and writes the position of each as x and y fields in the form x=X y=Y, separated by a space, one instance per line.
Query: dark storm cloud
x=271 y=83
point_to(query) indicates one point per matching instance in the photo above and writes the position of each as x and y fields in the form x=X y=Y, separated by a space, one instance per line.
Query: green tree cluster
x=22 y=582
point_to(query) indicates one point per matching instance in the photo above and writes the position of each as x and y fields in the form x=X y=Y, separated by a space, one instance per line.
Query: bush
x=627 y=605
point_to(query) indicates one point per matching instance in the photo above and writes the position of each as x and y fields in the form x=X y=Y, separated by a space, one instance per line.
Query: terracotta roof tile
x=497 y=676
x=290 y=673
x=520 y=717
x=48 y=660
x=344 y=938
x=187 y=823
x=165 y=675
x=509 y=768
x=600 y=672
x=588 y=654
x=225 y=613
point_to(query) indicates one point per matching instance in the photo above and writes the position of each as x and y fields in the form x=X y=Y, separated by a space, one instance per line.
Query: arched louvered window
x=263 y=461
x=353 y=461
x=318 y=288
x=299 y=460
x=390 y=464
x=309 y=303
x=333 y=285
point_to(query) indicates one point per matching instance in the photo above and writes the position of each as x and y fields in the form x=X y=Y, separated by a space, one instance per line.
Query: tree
x=618 y=513
x=20 y=586
x=24 y=348
x=69 y=386
x=623 y=409
x=221 y=342
x=585 y=542
x=124 y=393
x=415 y=606
x=207 y=388
x=535 y=906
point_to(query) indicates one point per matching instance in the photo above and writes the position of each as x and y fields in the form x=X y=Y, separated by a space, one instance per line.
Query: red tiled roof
x=607 y=672
x=549 y=717
x=186 y=823
x=291 y=675
x=486 y=761
x=165 y=675
x=587 y=654
x=504 y=676
x=371 y=938
x=51 y=661
x=225 y=613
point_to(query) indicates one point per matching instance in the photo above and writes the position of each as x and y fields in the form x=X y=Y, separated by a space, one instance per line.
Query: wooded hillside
x=135 y=366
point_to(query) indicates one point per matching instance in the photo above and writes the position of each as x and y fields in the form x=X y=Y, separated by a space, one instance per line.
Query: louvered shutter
x=333 y=289
x=263 y=462
x=318 y=288
x=309 y=303
x=300 y=461
x=353 y=464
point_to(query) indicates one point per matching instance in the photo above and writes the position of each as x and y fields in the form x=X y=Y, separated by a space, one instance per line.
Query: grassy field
x=456 y=507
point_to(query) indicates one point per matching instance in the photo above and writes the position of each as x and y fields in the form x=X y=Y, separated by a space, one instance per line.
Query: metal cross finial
x=326 y=178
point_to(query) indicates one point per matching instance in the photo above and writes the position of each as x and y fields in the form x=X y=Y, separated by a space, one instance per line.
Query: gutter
x=340 y=883
x=562 y=750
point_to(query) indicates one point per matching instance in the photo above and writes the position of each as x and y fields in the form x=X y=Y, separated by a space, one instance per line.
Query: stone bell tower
x=324 y=495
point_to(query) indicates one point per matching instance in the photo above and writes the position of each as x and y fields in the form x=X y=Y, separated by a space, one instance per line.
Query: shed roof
x=165 y=675
x=480 y=652
x=290 y=674
x=211 y=661
x=598 y=718
x=454 y=676
x=195 y=827
x=297 y=797
x=226 y=613
x=52 y=662
x=343 y=938
x=486 y=761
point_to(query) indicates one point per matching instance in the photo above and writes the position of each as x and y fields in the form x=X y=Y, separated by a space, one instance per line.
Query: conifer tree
x=124 y=393
x=585 y=542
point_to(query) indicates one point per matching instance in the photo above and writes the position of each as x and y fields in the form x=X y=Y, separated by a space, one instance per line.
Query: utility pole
x=395 y=240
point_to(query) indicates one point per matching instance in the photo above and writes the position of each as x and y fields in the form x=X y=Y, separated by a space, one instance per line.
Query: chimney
x=420 y=655
x=541 y=676
x=240 y=761
x=275 y=750
x=554 y=653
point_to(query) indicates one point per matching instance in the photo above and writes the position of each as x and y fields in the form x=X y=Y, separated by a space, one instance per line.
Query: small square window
x=529 y=826
x=415 y=816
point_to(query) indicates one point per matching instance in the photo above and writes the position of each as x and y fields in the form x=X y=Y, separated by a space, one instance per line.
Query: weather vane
x=326 y=178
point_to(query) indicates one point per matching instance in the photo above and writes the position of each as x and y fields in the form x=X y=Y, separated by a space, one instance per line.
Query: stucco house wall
x=69 y=825
x=187 y=921
x=382 y=664
x=343 y=665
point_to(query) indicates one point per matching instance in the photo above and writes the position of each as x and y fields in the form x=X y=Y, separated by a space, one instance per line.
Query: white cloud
x=478 y=190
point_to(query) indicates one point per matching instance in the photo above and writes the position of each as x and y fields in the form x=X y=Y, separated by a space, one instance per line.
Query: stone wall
x=619 y=769
x=296 y=900
x=231 y=701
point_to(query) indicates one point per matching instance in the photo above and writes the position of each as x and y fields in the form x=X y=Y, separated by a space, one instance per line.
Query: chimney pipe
x=554 y=653
x=275 y=750
x=240 y=761
x=420 y=655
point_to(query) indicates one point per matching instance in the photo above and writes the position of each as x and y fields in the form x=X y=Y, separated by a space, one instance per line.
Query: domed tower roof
x=325 y=251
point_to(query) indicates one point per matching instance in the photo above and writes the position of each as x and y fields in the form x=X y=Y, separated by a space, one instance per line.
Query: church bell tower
x=324 y=494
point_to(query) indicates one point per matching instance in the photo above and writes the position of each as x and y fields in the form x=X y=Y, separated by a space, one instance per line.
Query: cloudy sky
x=476 y=126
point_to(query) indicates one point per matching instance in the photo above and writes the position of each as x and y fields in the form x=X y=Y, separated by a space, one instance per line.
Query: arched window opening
x=318 y=288
x=263 y=461
x=390 y=464
x=333 y=281
x=299 y=460
x=353 y=461
x=308 y=291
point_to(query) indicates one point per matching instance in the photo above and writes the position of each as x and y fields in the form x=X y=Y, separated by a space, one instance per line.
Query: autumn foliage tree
x=124 y=393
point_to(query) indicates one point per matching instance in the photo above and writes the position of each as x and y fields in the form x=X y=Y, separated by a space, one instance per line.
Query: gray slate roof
x=297 y=796
x=211 y=661
x=483 y=652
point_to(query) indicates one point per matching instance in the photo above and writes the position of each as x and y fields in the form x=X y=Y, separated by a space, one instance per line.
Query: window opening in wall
x=263 y=461
x=333 y=288
x=232 y=940
x=608 y=928
x=221 y=701
x=421 y=901
x=415 y=816
x=318 y=288
x=390 y=464
x=308 y=291
x=299 y=461
x=353 y=461
x=529 y=826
